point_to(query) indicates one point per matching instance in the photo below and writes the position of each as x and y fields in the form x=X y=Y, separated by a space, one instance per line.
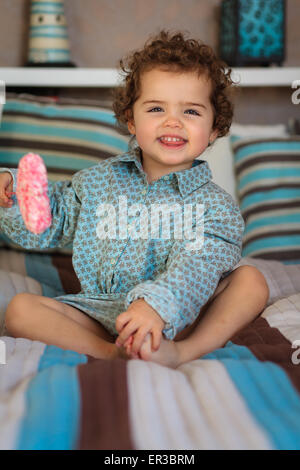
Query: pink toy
x=31 y=193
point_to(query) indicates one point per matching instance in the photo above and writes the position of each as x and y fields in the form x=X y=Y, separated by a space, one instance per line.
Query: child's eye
x=192 y=111
x=157 y=108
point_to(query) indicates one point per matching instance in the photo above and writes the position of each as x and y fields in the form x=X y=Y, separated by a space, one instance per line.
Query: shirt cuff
x=163 y=301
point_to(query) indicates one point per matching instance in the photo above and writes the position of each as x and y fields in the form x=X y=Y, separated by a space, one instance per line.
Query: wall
x=101 y=31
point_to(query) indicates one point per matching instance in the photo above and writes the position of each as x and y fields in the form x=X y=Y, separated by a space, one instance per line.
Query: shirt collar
x=193 y=178
x=188 y=180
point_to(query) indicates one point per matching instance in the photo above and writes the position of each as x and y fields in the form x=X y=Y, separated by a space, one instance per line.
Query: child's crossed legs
x=232 y=307
x=44 y=319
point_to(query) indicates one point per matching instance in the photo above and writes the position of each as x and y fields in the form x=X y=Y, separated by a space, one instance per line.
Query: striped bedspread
x=242 y=396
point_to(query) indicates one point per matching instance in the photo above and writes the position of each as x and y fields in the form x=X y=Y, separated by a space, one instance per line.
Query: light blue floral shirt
x=103 y=211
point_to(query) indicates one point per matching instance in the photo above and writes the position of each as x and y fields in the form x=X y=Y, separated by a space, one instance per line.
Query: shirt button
x=112 y=261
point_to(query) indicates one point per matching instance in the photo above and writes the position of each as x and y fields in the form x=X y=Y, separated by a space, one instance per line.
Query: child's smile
x=172 y=120
x=172 y=141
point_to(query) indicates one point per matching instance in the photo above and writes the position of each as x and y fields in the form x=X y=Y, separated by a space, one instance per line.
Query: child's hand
x=139 y=320
x=6 y=187
x=128 y=347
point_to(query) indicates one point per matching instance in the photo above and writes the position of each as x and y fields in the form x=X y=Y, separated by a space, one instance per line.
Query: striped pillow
x=268 y=189
x=69 y=134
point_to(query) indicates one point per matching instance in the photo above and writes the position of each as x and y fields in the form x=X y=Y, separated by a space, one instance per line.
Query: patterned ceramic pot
x=48 y=36
x=252 y=32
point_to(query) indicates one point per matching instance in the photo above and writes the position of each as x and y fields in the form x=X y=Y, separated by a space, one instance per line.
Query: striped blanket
x=242 y=396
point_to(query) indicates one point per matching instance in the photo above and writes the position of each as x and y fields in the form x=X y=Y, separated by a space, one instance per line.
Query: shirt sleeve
x=191 y=276
x=65 y=207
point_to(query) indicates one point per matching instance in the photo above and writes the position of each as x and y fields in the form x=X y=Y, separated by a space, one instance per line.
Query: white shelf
x=60 y=77
x=263 y=76
x=102 y=77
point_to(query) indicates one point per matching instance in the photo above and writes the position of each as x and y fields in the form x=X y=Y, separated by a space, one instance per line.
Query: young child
x=158 y=298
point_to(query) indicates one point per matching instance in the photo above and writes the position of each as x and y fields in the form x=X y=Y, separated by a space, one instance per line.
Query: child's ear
x=130 y=122
x=213 y=136
x=131 y=127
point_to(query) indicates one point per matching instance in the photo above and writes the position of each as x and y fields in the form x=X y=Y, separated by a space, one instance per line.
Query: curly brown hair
x=172 y=51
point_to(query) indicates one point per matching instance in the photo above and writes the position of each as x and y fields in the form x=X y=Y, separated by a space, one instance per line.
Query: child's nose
x=173 y=120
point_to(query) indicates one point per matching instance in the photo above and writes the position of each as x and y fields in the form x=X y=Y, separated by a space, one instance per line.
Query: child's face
x=172 y=120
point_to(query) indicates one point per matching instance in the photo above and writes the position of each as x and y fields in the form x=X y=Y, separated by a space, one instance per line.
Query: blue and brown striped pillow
x=268 y=189
x=69 y=134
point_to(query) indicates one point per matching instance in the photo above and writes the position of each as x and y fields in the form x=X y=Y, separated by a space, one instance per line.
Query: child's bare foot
x=122 y=353
x=112 y=352
x=166 y=355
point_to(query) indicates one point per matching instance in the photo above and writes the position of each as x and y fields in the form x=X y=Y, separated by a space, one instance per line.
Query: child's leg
x=238 y=300
x=52 y=322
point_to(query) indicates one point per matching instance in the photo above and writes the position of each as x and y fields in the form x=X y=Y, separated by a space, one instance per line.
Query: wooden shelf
x=104 y=77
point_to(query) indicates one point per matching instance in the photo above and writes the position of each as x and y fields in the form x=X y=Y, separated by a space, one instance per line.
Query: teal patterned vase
x=48 y=36
x=252 y=32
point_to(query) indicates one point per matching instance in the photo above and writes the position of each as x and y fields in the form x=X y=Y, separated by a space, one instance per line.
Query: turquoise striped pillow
x=69 y=134
x=268 y=190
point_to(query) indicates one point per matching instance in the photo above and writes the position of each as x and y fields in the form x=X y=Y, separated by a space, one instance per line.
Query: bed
x=242 y=396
